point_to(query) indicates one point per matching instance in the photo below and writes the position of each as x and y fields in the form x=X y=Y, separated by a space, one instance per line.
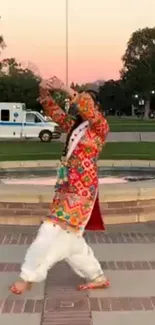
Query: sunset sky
x=34 y=31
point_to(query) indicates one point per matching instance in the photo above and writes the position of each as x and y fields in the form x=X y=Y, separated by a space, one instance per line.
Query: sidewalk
x=131 y=137
x=127 y=256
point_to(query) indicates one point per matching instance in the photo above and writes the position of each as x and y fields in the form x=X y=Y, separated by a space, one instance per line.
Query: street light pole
x=66 y=15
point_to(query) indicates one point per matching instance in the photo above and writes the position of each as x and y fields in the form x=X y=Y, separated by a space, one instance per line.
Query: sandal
x=94 y=285
x=17 y=291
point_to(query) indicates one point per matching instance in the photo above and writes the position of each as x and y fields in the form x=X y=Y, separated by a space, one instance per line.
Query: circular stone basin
x=127 y=194
x=51 y=181
x=47 y=176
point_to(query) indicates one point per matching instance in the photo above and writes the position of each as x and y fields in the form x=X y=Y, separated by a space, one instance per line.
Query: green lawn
x=11 y=151
x=125 y=124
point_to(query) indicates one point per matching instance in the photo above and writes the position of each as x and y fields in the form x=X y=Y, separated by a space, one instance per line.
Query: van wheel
x=45 y=136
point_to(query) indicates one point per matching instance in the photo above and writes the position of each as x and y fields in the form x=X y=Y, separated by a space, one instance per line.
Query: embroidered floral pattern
x=96 y=119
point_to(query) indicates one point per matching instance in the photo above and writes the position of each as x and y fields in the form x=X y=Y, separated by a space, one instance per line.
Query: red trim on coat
x=96 y=220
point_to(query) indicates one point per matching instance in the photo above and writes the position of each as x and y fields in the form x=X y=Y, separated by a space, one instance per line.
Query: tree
x=91 y=85
x=2 y=46
x=78 y=87
x=138 y=71
x=10 y=66
x=18 y=84
x=2 y=43
x=113 y=96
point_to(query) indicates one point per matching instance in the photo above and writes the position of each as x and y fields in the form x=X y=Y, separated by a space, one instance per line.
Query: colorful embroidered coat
x=73 y=202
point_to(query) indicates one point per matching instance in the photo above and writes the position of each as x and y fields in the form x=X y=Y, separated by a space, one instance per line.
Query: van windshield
x=46 y=118
x=33 y=118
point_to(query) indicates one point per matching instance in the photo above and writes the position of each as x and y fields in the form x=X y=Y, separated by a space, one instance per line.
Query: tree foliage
x=114 y=96
x=18 y=84
x=138 y=73
x=2 y=43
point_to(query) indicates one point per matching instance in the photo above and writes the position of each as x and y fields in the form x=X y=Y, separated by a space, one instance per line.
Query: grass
x=125 y=124
x=26 y=150
x=11 y=151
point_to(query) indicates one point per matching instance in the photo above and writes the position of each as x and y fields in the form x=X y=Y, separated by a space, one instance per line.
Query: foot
x=18 y=288
x=95 y=285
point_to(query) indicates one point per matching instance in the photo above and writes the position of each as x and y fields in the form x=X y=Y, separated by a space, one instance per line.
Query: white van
x=17 y=122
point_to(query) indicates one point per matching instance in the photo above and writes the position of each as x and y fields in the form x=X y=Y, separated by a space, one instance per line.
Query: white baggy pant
x=52 y=245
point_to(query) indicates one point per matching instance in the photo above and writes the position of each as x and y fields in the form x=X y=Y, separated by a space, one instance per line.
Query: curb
x=55 y=163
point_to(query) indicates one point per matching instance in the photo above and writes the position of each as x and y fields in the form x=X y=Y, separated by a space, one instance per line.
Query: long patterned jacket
x=73 y=202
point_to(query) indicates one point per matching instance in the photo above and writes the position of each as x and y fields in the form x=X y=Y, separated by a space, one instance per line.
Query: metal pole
x=66 y=15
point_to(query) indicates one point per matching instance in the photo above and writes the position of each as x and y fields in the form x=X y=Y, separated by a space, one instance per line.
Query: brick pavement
x=127 y=256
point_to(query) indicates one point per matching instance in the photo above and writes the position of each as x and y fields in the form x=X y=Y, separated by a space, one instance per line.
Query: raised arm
x=53 y=110
x=96 y=119
x=85 y=105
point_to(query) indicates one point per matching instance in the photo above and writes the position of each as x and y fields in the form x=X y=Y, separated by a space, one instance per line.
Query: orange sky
x=34 y=31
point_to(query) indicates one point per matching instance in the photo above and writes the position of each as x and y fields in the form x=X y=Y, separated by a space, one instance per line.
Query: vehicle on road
x=18 y=123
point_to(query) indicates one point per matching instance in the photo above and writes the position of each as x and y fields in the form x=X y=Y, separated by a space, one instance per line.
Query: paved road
x=127 y=256
x=117 y=137
x=127 y=137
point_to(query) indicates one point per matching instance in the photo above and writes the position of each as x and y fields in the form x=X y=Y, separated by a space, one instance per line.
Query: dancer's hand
x=44 y=84
x=51 y=84
x=55 y=84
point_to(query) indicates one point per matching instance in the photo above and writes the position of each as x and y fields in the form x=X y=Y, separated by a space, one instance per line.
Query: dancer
x=60 y=237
